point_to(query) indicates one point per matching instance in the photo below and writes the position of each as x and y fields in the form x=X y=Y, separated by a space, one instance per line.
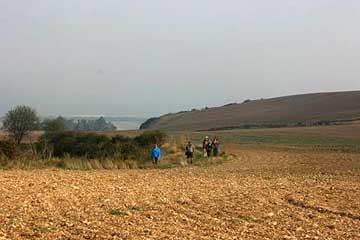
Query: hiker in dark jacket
x=189 y=152
x=206 y=146
x=209 y=149
x=215 y=144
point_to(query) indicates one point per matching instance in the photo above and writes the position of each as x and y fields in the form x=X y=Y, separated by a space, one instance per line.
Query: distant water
x=126 y=125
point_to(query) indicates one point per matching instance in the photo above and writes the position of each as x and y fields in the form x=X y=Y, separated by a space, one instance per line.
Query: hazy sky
x=147 y=58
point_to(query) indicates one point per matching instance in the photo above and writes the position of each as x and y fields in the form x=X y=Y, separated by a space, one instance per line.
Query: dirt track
x=264 y=194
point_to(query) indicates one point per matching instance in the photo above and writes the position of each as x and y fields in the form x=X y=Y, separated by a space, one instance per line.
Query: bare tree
x=20 y=121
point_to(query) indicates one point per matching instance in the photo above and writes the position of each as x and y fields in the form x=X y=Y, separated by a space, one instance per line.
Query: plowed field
x=263 y=193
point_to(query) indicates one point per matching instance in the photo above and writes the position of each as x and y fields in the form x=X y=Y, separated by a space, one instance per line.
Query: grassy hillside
x=339 y=138
x=298 y=110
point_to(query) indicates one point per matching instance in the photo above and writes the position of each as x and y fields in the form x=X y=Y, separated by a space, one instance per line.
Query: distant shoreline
x=126 y=125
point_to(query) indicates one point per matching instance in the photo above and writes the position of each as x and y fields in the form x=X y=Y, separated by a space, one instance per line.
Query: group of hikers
x=209 y=148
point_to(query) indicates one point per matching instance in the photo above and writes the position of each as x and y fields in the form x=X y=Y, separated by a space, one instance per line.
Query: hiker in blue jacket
x=155 y=154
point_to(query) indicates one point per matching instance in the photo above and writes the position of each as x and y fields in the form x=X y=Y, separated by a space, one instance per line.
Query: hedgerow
x=95 y=146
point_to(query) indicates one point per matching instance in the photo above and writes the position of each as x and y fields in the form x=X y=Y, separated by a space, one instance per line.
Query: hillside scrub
x=91 y=151
x=92 y=145
x=321 y=109
x=8 y=149
x=80 y=150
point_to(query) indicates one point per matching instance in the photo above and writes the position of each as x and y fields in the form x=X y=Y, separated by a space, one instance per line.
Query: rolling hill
x=297 y=110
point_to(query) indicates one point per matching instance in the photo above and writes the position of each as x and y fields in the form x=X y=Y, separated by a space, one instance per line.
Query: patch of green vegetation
x=236 y=221
x=239 y=218
x=116 y=212
x=121 y=212
x=289 y=140
x=254 y=137
x=98 y=146
x=134 y=208
x=201 y=161
x=164 y=166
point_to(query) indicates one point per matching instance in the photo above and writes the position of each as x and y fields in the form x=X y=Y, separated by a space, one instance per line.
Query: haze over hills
x=121 y=123
x=297 y=110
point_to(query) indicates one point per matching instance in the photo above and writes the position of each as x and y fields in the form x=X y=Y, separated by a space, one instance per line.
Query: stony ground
x=264 y=193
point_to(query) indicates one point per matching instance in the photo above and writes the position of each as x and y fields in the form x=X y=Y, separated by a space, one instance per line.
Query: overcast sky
x=147 y=58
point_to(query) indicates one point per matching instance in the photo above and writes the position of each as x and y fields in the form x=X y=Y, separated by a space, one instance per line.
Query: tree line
x=21 y=120
x=98 y=125
x=63 y=138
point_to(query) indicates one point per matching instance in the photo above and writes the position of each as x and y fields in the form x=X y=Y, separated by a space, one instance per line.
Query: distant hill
x=297 y=110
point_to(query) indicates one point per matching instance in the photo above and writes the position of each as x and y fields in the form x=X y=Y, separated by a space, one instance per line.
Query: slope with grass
x=307 y=109
x=338 y=137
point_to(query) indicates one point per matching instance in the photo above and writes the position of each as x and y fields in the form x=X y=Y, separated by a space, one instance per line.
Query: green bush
x=128 y=150
x=148 y=139
x=8 y=148
x=63 y=143
x=76 y=144
x=92 y=145
x=121 y=139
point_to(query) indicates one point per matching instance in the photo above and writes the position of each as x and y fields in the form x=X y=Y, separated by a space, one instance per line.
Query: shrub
x=8 y=148
x=63 y=143
x=78 y=144
x=92 y=145
x=149 y=139
x=128 y=151
x=120 y=139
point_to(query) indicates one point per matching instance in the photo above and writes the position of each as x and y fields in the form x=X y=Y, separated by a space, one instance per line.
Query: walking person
x=155 y=154
x=215 y=144
x=206 y=144
x=189 y=152
x=209 y=149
